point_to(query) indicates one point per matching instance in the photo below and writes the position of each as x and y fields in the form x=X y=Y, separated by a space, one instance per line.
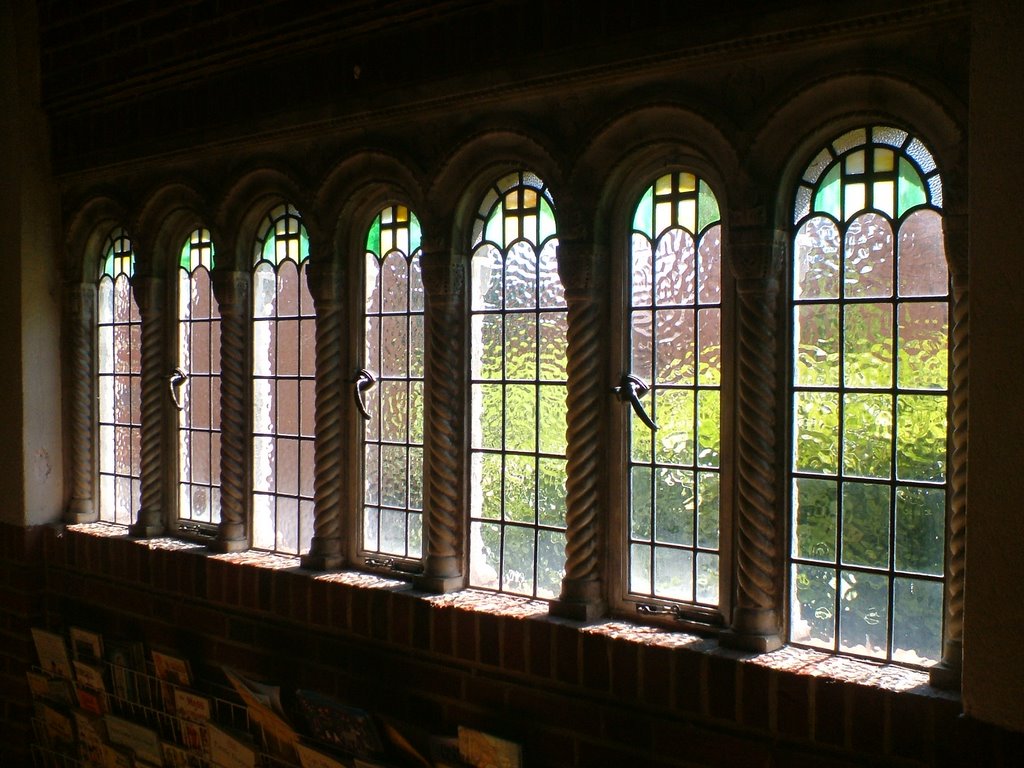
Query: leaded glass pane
x=517 y=435
x=870 y=401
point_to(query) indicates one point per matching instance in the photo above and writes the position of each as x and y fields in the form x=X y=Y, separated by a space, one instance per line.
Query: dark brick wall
x=573 y=695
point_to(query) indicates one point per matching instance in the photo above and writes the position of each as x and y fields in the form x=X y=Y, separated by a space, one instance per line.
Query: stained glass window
x=119 y=370
x=870 y=394
x=196 y=384
x=283 y=397
x=518 y=392
x=393 y=354
x=675 y=321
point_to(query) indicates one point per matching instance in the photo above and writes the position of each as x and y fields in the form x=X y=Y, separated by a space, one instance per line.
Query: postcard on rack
x=52 y=652
x=191 y=706
x=196 y=737
x=117 y=757
x=91 y=738
x=231 y=749
x=172 y=669
x=57 y=725
x=485 y=751
x=86 y=645
x=175 y=756
x=350 y=729
x=138 y=738
x=127 y=660
x=264 y=706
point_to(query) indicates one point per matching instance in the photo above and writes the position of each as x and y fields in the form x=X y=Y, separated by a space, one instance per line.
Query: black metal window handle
x=175 y=381
x=364 y=381
x=630 y=390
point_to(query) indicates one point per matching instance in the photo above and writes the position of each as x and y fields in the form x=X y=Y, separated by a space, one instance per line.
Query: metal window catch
x=364 y=381
x=394 y=565
x=175 y=381
x=649 y=609
x=630 y=390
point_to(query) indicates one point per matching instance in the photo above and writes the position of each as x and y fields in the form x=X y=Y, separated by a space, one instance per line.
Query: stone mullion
x=81 y=304
x=232 y=292
x=582 y=595
x=149 y=297
x=947 y=672
x=327 y=550
x=444 y=444
x=757 y=609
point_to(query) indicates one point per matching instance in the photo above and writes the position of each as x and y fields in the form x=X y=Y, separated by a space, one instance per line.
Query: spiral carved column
x=947 y=672
x=149 y=297
x=326 y=550
x=232 y=291
x=444 y=396
x=582 y=595
x=81 y=304
x=757 y=594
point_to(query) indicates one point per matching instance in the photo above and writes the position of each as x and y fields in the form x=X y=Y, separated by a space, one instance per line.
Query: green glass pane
x=303 y=244
x=709 y=493
x=521 y=417
x=552 y=436
x=673 y=413
x=828 y=198
x=550 y=563
x=488 y=481
x=707 y=207
x=640 y=503
x=921 y=437
x=517 y=560
x=415 y=233
x=546 y=224
x=673 y=506
x=487 y=410
x=867 y=435
x=551 y=492
x=863 y=613
x=911 y=187
x=520 y=488
x=185 y=259
x=815 y=516
x=816 y=428
x=709 y=438
x=867 y=345
x=916 y=621
x=270 y=249
x=373 y=238
x=923 y=345
x=866 y=524
x=812 y=619
x=640 y=569
x=643 y=219
x=673 y=573
x=816 y=333
x=493 y=231
x=920 y=529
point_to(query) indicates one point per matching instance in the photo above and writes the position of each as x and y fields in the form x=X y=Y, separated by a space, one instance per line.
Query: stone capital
x=326 y=282
x=443 y=276
x=81 y=298
x=231 y=289
x=580 y=267
x=148 y=291
x=756 y=252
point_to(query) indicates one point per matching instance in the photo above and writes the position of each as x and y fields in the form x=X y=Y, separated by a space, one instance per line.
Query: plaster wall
x=993 y=676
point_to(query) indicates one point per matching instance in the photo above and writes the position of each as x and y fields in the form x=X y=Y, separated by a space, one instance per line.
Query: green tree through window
x=518 y=380
x=870 y=395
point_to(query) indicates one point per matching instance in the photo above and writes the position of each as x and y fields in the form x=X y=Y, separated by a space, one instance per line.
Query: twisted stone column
x=444 y=398
x=232 y=291
x=946 y=673
x=149 y=297
x=756 y=256
x=326 y=550
x=81 y=308
x=582 y=595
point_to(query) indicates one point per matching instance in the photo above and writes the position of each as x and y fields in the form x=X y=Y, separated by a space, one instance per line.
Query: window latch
x=364 y=381
x=630 y=390
x=394 y=565
x=649 y=609
x=175 y=381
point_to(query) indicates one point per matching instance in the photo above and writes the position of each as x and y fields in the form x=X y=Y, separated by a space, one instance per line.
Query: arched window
x=393 y=356
x=869 y=400
x=518 y=392
x=119 y=371
x=675 y=354
x=283 y=398
x=197 y=384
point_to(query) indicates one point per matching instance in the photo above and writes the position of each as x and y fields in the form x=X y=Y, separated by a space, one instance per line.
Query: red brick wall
x=608 y=694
